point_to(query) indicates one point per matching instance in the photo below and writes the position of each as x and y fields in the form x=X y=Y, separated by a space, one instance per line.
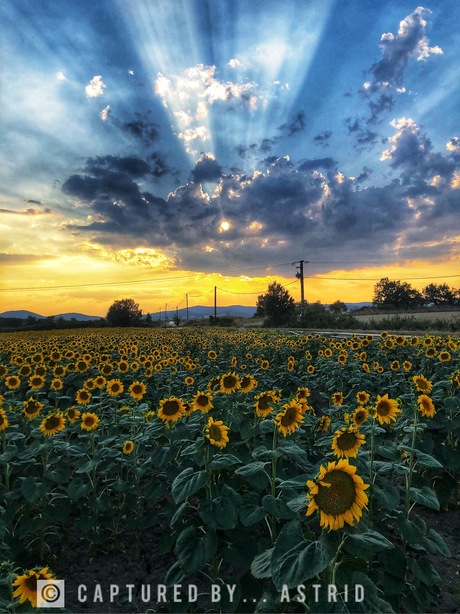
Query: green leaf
x=277 y=507
x=220 y=513
x=193 y=552
x=153 y=491
x=388 y=497
x=251 y=468
x=435 y=543
x=393 y=585
x=298 y=482
x=261 y=565
x=426 y=460
x=162 y=455
x=78 y=489
x=424 y=571
x=364 y=545
x=294 y=452
x=31 y=489
x=411 y=530
x=394 y=561
x=87 y=467
x=187 y=483
x=223 y=461
x=174 y=575
x=426 y=496
x=60 y=474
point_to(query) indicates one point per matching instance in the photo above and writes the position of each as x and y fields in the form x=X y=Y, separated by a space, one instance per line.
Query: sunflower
x=171 y=409
x=263 y=402
x=264 y=365
x=25 y=371
x=31 y=408
x=57 y=384
x=324 y=424
x=362 y=397
x=12 y=382
x=212 y=355
x=407 y=365
x=338 y=494
x=346 y=442
x=114 y=387
x=52 y=424
x=444 y=356
x=302 y=395
x=73 y=414
x=337 y=399
x=100 y=381
x=81 y=366
x=189 y=380
x=89 y=384
x=431 y=353
x=425 y=406
x=247 y=382
x=3 y=370
x=310 y=369
x=202 y=401
x=386 y=409
x=289 y=419
x=137 y=390
x=229 y=382
x=217 y=433
x=89 y=421
x=395 y=366
x=359 y=416
x=128 y=446
x=3 y=420
x=83 y=397
x=422 y=384
x=149 y=415
x=27 y=585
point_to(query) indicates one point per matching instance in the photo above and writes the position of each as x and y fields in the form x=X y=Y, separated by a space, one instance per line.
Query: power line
x=379 y=278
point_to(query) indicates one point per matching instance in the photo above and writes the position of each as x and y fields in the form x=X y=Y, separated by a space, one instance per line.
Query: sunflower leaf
x=426 y=496
x=187 y=483
x=261 y=565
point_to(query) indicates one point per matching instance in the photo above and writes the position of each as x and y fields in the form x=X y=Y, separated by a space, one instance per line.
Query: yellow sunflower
x=137 y=390
x=337 y=399
x=359 y=416
x=426 y=406
x=31 y=408
x=100 y=381
x=171 y=409
x=247 y=382
x=422 y=384
x=3 y=420
x=189 y=380
x=310 y=369
x=346 y=442
x=407 y=365
x=229 y=382
x=57 y=384
x=386 y=409
x=89 y=421
x=128 y=447
x=202 y=401
x=362 y=397
x=12 y=382
x=52 y=424
x=26 y=585
x=338 y=494
x=212 y=355
x=444 y=356
x=217 y=433
x=263 y=402
x=114 y=387
x=73 y=414
x=289 y=419
x=324 y=424
x=83 y=396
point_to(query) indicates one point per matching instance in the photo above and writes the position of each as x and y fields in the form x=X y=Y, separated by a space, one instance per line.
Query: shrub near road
x=294 y=468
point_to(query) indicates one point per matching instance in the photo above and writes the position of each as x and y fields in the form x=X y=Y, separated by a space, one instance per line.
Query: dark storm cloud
x=362 y=136
x=296 y=125
x=134 y=167
x=322 y=138
x=385 y=102
x=206 y=169
x=326 y=163
x=159 y=166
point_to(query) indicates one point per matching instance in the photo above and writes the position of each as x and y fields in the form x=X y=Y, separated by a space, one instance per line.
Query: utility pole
x=186 y=302
x=166 y=309
x=299 y=275
x=215 y=303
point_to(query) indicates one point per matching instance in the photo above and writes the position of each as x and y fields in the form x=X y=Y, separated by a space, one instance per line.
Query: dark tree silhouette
x=125 y=312
x=277 y=305
x=393 y=294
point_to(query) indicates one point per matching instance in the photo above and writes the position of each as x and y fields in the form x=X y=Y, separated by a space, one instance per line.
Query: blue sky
x=215 y=135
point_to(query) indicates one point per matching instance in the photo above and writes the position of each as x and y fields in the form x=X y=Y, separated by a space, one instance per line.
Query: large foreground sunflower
x=290 y=418
x=171 y=409
x=26 y=585
x=346 y=442
x=338 y=494
x=217 y=433
x=386 y=409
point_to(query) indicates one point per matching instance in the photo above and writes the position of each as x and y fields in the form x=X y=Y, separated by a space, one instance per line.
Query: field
x=229 y=471
x=421 y=315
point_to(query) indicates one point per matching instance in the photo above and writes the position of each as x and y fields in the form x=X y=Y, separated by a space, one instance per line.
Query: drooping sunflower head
x=337 y=399
x=128 y=447
x=73 y=414
x=247 y=383
x=289 y=419
x=137 y=390
x=89 y=421
x=386 y=409
x=229 y=382
x=202 y=401
x=426 y=406
x=26 y=585
x=324 y=424
x=3 y=420
x=52 y=424
x=346 y=442
x=171 y=409
x=217 y=433
x=264 y=402
x=359 y=416
x=338 y=494
x=31 y=408
x=422 y=384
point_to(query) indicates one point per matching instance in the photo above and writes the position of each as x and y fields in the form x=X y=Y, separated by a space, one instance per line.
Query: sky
x=156 y=149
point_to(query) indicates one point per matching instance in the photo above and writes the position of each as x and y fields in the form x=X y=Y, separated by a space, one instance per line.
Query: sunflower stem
x=411 y=464
x=371 y=465
x=273 y=531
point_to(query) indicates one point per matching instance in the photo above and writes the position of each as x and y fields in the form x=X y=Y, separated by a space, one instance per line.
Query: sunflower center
x=52 y=422
x=245 y=381
x=290 y=417
x=202 y=400
x=383 y=408
x=229 y=381
x=170 y=408
x=215 y=433
x=89 y=421
x=264 y=401
x=337 y=498
x=346 y=441
x=31 y=583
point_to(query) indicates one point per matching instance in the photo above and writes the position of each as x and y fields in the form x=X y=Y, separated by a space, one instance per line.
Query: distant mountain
x=20 y=313
x=353 y=306
x=81 y=317
x=202 y=311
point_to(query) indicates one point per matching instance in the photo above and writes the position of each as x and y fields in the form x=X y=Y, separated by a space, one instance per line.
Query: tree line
x=394 y=294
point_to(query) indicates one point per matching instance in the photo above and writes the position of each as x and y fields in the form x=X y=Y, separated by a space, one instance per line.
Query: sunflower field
x=281 y=464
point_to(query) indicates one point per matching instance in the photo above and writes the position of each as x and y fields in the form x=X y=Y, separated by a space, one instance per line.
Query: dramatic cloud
x=206 y=169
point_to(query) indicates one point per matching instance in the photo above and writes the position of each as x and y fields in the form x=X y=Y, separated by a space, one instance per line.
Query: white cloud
x=104 y=115
x=60 y=76
x=95 y=87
